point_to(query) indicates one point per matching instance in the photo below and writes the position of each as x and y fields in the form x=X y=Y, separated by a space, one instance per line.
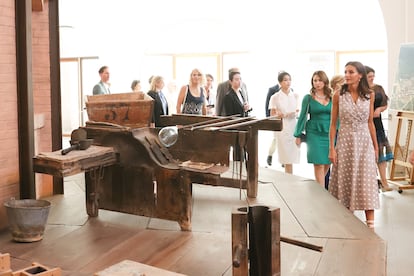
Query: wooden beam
x=37 y=5
x=25 y=97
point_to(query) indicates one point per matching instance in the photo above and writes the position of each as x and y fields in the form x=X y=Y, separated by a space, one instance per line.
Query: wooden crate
x=5 y=265
x=126 y=109
x=35 y=269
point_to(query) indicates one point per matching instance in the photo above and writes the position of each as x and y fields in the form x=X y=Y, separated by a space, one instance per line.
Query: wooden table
x=91 y=161
x=76 y=161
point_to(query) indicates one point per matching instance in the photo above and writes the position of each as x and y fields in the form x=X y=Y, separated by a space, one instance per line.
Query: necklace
x=320 y=97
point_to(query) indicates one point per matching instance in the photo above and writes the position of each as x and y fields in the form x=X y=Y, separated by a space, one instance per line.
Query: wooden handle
x=237 y=255
x=302 y=244
x=73 y=147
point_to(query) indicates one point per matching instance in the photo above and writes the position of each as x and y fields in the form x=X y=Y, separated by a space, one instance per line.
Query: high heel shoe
x=384 y=189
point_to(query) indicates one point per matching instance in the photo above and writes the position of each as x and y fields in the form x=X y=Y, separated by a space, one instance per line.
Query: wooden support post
x=256 y=249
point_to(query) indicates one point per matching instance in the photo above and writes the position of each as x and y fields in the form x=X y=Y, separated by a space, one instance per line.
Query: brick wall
x=9 y=157
x=41 y=91
x=9 y=160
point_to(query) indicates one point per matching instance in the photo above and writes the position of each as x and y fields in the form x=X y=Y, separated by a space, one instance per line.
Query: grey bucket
x=27 y=218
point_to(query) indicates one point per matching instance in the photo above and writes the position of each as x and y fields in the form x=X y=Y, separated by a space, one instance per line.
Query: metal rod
x=302 y=244
x=220 y=119
x=250 y=122
x=223 y=123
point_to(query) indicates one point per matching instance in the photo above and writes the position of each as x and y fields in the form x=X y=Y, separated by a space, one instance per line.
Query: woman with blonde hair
x=160 y=101
x=336 y=82
x=191 y=99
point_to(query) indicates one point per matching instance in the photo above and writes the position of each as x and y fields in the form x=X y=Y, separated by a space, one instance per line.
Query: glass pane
x=69 y=96
x=89 y=77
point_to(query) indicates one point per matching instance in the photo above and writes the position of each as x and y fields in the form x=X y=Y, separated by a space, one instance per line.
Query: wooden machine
x=129 y=170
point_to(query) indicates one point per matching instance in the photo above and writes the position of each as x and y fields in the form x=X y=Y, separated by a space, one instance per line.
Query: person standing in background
x=160 y=102
x=191 y=99
x=284 y=104
x=336 y=83
x=210 y=95
x=222 y=90
x=136 y=86
x=102 y=87
x=354 y=172
x=384 y=149
x=235 y=104
x=318 y=105
x=272 y=148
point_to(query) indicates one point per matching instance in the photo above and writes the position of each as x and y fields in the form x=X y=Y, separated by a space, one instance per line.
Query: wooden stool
x=401 y=152
x=35 y=269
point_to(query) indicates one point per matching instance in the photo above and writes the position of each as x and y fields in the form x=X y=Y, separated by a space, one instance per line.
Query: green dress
x=316 y=128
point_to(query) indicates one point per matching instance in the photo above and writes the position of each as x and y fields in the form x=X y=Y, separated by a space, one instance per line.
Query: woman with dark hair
x=384 y=149
x=354 y=174
x=136 y=86
x=210 y=95
x=318 y=105
x=284 y=104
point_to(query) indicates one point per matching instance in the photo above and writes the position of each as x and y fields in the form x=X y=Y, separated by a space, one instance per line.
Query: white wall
x=276 y=34
x=399 y=24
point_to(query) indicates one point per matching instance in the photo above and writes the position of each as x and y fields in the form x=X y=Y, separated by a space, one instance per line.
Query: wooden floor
x=81 y=245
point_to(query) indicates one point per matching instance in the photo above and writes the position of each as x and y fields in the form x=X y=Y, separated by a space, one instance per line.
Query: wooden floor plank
x=319 y=213
x=82 y=246
x=371 y=258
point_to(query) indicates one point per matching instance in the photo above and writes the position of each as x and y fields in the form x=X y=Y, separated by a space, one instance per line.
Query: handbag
x=302 y=137
x=303 y=134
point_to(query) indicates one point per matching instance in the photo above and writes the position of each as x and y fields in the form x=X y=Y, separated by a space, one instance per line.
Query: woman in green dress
x=318 y=105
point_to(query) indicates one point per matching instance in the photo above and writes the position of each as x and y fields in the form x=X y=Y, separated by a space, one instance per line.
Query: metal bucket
x=27 y=218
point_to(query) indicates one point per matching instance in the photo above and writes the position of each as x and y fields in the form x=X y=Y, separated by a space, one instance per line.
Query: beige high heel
x=370 y=223
x=383 y=188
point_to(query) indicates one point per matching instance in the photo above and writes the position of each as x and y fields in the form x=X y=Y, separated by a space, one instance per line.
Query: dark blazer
x=272 y=90
x=232 y=104
x=158 y=111
x=221 y=92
